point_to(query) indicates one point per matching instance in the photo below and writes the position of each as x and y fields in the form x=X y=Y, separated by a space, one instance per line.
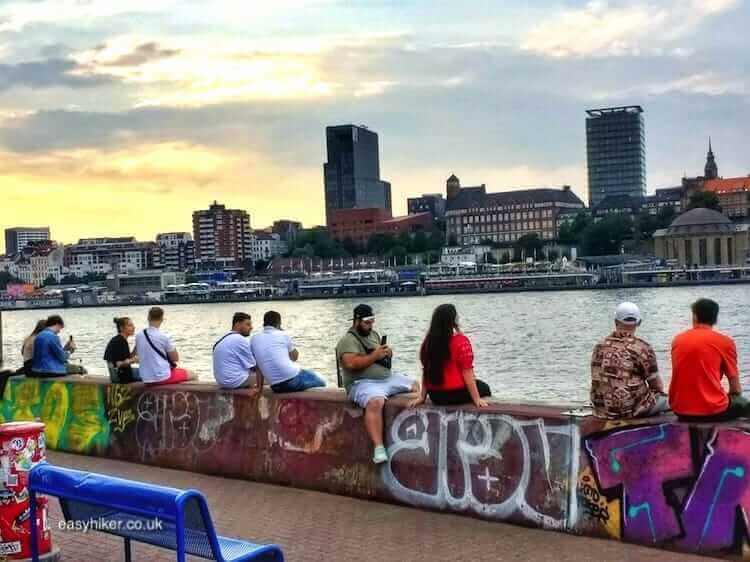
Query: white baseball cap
x=628 y=313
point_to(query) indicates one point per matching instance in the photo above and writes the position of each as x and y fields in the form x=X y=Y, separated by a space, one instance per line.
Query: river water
x=533 y=346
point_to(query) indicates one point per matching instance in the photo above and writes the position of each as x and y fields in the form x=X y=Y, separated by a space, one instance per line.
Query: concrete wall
x=658 y=482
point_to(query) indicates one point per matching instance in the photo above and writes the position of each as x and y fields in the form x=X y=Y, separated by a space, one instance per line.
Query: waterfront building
x=142 y=282
x=17 y=237
x=222 y=236
x=618 y=205
x=474 y=216
x=266 y=246
x=104 y=255
x=433 y=203
x=703 y=237
x=359 y=225
x=616 y=152
x=464 y=255
x=175 y=251
x=38 y=261
x=352 y=173
x=666 y=197
x=733 y=193
x=287 y=230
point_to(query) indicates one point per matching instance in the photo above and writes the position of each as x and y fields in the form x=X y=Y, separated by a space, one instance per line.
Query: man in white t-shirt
x=276 y=358
x=233 y=357
x=157 y=354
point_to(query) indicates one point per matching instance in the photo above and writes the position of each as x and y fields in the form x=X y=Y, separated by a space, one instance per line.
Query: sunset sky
x=122 y=117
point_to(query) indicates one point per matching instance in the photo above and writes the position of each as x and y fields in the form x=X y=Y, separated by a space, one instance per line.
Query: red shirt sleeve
x=729 y=360
x=461 y=352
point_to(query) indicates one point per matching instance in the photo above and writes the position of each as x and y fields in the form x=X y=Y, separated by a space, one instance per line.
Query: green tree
x=607 y=235
x=49 y=281
x=707 y=199
x=529 y=245
x=570 y=233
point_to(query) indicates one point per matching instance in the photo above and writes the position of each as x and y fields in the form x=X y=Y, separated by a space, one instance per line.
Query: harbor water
x=533 y=346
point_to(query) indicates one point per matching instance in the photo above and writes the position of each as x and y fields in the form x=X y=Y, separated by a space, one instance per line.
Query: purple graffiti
x=641 y=460
x=722 y=486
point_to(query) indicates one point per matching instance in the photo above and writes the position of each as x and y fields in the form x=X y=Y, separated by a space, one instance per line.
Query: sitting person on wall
x=365 y=363
x=701 y=356
x=277 y=355
x=157 y=354
x=118 y=356
x=625 y=381
x=27 y=347
x=232 y=355
x=448 y=364
x=50 y=358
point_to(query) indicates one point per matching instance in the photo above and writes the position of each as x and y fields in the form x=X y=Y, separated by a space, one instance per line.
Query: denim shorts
x=302 y=381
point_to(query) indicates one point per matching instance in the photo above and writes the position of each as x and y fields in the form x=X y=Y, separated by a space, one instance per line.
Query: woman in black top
x=118 y=356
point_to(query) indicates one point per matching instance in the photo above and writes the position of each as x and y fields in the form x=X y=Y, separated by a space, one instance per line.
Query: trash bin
x=21 y=447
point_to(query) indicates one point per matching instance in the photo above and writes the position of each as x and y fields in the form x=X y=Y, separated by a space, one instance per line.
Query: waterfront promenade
x=312 y=526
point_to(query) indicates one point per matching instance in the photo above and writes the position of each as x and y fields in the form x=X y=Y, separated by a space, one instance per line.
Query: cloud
x=620 y=27
x=142 y=54
x=48 y=74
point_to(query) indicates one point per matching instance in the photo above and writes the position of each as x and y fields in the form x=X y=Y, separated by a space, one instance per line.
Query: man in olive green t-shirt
x=366 y=368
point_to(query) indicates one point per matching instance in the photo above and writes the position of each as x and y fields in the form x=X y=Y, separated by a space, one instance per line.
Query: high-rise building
x=222 y=236
x=175 y=251
x=616 y=152
x=16 y=238
x=429 y=203
x=352 y=172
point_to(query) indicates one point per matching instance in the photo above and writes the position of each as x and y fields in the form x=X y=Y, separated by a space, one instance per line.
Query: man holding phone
x=365 y=361
x=50 y=358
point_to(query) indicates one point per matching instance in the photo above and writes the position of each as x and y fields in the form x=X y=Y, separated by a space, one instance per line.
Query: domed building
x=703 y=237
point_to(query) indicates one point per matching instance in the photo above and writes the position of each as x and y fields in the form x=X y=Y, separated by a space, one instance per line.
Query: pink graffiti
x=641 y=461
x=722 y=486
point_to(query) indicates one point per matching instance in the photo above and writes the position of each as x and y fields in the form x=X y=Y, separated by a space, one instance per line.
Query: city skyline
x=118 y=121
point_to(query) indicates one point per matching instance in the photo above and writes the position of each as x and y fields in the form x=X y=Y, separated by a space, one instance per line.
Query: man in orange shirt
x=701 y=356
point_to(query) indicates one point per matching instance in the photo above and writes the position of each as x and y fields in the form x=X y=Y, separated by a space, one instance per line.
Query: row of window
x=508 y=227
x=502 y=217
x=512 y=237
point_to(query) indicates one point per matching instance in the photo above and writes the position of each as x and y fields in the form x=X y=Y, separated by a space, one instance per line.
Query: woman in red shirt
x=448 y=364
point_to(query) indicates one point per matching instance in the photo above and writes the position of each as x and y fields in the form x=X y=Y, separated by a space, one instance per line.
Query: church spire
x=711 y=171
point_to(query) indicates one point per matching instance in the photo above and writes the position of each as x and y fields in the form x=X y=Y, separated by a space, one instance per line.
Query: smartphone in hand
x=383 y=340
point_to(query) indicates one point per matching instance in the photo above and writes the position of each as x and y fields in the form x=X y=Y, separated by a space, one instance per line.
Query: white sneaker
x=380 y=455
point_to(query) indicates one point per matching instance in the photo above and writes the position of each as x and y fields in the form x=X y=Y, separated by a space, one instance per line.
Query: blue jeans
x=305 y=379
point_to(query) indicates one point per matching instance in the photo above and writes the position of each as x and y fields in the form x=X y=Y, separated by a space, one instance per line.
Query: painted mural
x=676 y=485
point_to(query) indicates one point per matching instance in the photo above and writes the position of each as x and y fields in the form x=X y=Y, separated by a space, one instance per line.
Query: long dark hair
x=436 y=346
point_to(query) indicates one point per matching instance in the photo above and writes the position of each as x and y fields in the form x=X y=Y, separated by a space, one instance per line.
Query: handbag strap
x=225 y=336
x=158 y=351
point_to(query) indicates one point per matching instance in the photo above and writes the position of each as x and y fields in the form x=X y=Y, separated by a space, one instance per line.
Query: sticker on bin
x=10 y=547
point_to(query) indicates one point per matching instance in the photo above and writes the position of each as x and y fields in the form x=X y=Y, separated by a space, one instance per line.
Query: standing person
x=50 y=358
x=232 y=355
x=27 y=348
x=701 y=356
x=277 y=358
x=157 y=354
x=448 y=364
x=118 y=356
x=625 y=381
x=365 y=363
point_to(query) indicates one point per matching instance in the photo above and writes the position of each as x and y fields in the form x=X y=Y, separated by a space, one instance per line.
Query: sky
x=122 y=118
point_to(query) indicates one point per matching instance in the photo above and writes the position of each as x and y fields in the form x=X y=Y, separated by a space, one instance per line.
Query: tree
x=607 y=235
x=529 y=245
x=261 y=266
x=570 y=233
x=666 y=215
x=50 y=280
x=705 y=199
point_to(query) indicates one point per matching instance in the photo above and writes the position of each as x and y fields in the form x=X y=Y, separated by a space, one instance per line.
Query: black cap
x=363 y=311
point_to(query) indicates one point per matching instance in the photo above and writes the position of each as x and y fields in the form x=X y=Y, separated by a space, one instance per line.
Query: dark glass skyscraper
x=616 y=152
x=352 y=173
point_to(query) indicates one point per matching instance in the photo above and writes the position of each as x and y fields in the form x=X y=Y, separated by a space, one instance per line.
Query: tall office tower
x=352 y=173
x=616 y=152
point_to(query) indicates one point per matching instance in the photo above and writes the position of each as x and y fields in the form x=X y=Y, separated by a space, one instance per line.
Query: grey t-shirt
x=352 y=344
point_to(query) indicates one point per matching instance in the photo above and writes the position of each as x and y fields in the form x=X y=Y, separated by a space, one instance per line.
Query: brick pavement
x=311 y=526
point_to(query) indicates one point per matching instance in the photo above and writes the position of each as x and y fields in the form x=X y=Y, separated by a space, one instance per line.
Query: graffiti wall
x=656 y=482
x=674 y=485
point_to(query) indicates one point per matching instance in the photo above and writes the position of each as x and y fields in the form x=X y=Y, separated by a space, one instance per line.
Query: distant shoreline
x=467 y=291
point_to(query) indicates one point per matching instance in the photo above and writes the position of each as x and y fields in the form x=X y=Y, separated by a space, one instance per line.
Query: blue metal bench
x=165 y=517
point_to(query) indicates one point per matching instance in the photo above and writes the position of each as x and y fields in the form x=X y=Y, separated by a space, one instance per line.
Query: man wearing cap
x=625 y=381
x=365 y=362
